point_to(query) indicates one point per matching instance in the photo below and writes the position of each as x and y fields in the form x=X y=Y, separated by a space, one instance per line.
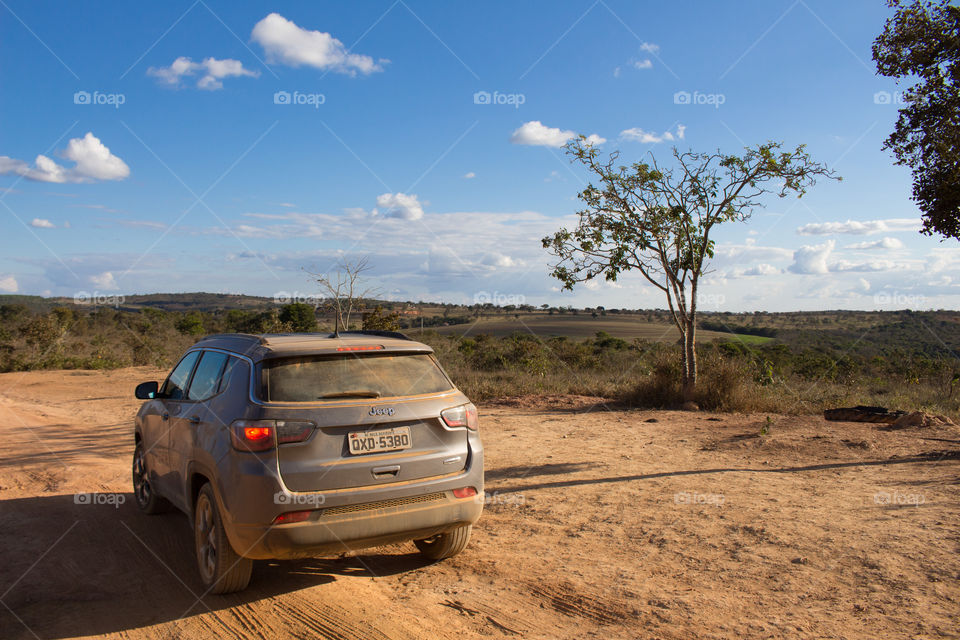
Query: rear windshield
x=341 y=377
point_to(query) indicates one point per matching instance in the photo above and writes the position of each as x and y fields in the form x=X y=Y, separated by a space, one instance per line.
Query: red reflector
x=372 y=347
x=465 y=492
x=256 y=433
x=292 y=516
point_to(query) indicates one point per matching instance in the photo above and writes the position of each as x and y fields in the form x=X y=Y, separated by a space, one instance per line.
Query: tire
x=445 y=545
x=143 y=494
x=222 y=570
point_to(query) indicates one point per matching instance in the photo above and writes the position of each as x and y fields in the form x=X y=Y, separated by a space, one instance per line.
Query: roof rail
x=381 y=334
x=229 y=335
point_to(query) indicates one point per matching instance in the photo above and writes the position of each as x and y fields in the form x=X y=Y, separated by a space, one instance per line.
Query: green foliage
x=380 y=320
x=922 y=42
x=191 y=324
x=299 y=317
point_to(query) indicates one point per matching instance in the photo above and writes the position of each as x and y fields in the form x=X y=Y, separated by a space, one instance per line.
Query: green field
x=584 y=326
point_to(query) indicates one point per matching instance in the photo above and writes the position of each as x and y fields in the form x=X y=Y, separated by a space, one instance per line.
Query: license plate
x=395 y=439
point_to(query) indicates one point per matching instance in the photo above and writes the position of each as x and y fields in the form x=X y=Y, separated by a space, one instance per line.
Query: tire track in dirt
x=329 y=621
x=566 y=599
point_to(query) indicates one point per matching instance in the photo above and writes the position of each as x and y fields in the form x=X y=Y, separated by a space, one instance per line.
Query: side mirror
x=147 y=390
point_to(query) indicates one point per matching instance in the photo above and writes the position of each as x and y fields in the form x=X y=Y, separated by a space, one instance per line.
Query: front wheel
x=445 y=545
x=147 y=500
x=221 y=568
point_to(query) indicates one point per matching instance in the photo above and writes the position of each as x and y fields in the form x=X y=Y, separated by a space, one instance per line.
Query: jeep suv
x=294 y=445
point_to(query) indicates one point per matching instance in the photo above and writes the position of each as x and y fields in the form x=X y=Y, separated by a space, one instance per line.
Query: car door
x=171 y=397
x=194 y=417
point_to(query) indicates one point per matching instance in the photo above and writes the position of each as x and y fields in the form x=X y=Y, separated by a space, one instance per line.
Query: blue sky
x=235 y=146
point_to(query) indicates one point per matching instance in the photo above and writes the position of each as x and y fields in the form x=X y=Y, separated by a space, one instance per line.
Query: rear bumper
x=337 y=530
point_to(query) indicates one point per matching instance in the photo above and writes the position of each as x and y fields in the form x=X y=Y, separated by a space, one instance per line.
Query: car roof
x=275 y=345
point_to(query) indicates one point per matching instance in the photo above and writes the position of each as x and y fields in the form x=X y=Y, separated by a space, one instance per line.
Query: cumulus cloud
x=8 y=284
x=499 y=260
x=762 y=269
x=812 y=258
x=637 y=134
x=469 y=175
x=649 y=47
x=42 y=223
x=864 y=267
x=883 y=243
x=211 y=71
x=860 y=227
x=535 y=133
x=93 y=161
x=104 y=281
x=399 y=205
x=646 y=63
x=286 y=43
x=815 y=259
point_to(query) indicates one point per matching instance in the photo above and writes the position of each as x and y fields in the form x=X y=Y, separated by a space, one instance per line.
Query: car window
x=236 y=367
x=315 y=378
x=206 y=380
x=177 y=381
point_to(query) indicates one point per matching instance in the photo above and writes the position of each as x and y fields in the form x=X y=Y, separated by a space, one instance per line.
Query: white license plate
x=395 y=439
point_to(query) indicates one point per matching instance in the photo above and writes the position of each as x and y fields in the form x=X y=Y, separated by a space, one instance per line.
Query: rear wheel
x=147 y=500
x=445 y=545
x=221 y=568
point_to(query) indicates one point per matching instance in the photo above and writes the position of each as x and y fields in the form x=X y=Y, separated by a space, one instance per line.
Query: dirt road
x=600 y=524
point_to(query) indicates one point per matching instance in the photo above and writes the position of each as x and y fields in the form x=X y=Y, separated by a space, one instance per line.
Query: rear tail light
x=463 y=416
x=292 y=516
x=263 y=435
x=464 y=492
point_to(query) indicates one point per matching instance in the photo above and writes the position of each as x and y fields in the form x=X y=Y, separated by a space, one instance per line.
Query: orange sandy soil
x=600 y=523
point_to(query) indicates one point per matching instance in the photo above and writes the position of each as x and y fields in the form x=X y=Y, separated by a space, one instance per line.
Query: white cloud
x=500 y=261
x=812 y=258
x=860 y=227
x=643 y=64
x=649 y=47
x=8 y=284
x=93 y=161
x=211 y=72
x=104 y=281
x=750 y=253
x=286 y=43
x=762 y=269
x=883 y=243
x=637 y=134
x=815 y=259
x=399 y=205
x=469 y=175
x=537 y=134
x=42 y=223
x=864 y=267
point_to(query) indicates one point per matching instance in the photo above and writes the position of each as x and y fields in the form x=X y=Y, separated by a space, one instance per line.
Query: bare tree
x=657 y=220
x=343 y=289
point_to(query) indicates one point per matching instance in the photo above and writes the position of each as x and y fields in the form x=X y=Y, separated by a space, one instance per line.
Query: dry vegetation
x=785 y=363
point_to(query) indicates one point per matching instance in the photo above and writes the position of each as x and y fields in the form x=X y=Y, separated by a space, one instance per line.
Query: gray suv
x=294 y=445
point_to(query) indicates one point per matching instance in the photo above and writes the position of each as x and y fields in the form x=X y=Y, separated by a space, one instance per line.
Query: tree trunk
x=689 y=382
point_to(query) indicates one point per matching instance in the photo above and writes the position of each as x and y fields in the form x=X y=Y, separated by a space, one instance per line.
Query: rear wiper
x=351 y=394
